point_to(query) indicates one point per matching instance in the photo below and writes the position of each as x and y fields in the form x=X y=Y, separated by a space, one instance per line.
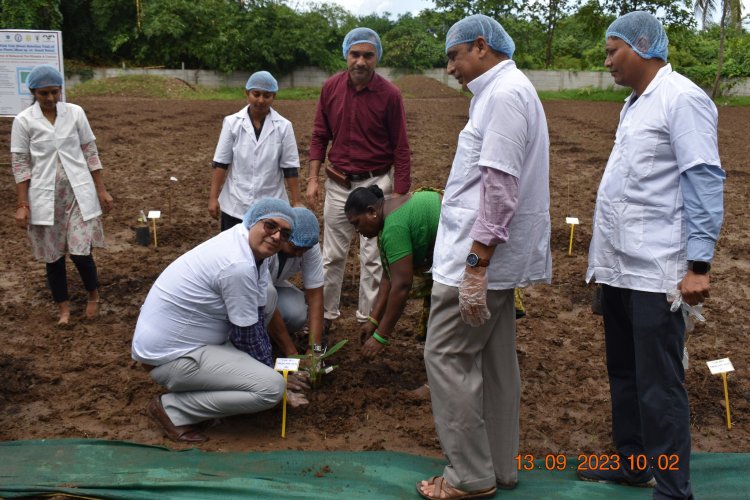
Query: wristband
x=373 y=321
x=23 y=204
x=380 y=339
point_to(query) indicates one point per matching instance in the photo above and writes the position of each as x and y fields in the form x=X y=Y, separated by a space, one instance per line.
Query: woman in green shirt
x=406 y=227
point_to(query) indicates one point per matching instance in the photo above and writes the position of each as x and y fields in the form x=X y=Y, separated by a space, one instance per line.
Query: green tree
x=411 y=46
x=30 y=14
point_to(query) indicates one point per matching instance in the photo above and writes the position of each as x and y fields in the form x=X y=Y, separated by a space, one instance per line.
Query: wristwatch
x=473 y=260
x=699 y=266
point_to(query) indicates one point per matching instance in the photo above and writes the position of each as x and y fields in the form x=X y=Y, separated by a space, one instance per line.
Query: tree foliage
x=249 y=35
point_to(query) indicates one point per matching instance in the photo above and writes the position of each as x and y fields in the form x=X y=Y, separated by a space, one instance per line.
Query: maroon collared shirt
x=367 y=129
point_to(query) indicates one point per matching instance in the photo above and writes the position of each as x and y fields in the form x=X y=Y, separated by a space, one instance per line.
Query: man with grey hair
x=493 y=236
x=362 y=115
x=658 y=215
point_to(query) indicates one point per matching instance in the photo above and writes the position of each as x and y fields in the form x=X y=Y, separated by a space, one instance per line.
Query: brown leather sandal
x=442 y=490
x=179 y=433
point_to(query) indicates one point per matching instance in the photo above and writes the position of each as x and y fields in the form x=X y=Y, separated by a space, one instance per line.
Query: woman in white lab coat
x=256 y=152
x=59 y=186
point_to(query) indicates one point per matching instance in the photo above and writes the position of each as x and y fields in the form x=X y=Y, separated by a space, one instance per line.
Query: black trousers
x=650 y=412
x=57 y=277
x=227 y=221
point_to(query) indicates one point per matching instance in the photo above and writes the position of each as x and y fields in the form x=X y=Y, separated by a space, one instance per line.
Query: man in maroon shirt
x=362 y=115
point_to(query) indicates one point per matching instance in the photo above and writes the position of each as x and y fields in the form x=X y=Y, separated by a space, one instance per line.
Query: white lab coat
x=33 y=134
x=507 y=130
x=639 y=236
x=256 y=164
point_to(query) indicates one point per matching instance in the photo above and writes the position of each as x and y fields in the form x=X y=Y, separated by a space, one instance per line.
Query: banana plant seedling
x=314 y=362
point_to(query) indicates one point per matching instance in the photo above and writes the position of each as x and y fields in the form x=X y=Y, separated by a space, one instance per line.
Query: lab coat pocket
x=88 y=200
x=42 y=205
x=630 y=228
x=467 y=153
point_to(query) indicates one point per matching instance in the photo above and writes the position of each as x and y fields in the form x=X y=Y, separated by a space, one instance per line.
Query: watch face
x=699 y=267
x=472 y=259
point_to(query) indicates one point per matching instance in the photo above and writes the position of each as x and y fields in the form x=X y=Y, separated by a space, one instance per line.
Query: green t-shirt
x=411 y=229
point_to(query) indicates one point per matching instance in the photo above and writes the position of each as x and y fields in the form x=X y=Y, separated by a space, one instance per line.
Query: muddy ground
x=80 y=382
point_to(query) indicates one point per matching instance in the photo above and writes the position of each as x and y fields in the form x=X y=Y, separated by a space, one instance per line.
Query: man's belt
x=367 y=175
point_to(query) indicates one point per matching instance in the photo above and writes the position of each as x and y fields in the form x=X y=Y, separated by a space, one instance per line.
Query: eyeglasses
x=271 y=228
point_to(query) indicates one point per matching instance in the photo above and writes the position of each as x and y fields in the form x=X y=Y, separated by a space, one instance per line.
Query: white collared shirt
x=256 y=164
x=33 y=134
x=639 y=236
x=507 y=130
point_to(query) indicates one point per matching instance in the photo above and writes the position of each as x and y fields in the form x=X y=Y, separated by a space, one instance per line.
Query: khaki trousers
x=337 y=238
x=475 y=385
x=216 y=381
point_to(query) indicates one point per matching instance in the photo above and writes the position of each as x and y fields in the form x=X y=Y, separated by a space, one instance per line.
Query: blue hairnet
x=44 y=76
x=268 y=208
x=643 y=32
x=306 y=228
x=362 y=35
x=262 y=80
x=469 y=28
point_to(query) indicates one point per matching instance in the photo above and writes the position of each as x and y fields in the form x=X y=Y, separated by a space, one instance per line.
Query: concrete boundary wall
x=314 y=77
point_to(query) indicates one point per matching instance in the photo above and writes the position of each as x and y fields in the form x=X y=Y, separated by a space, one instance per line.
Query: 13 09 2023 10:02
x=593 y=461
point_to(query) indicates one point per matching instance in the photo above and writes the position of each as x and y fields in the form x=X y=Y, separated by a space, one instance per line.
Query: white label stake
x=723 y=366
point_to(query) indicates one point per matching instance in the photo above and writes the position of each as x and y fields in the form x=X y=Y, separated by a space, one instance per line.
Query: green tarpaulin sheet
x=114 y=469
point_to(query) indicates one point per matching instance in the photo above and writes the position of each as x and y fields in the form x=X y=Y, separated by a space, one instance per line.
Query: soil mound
x=422 y=87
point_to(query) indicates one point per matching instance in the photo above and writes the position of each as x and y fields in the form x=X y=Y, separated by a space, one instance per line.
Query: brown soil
x=79 y=381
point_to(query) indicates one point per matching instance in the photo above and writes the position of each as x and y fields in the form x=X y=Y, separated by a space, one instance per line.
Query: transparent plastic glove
x=298 y=381
x=690 y=314
x=472 y=297
x=296 y=399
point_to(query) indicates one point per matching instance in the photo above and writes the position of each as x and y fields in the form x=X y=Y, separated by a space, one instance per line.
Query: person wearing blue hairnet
x=201 y=331
x=658 y=214
x=493 y=236
x=60 y=187
x=362 y=115
x=256 y=152
x=299 y=255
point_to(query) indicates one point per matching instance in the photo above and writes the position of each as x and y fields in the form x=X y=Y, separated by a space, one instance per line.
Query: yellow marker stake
x=722 y=366
x=153 y=223
x=726 y=400
x=283 y=409
x=572 y=221
x=570 y=245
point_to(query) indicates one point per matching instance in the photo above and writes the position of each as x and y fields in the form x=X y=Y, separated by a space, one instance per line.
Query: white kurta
x=639 y=236
x=33 y=134
x=256 y=169
x=507 y=130
x=194 y=300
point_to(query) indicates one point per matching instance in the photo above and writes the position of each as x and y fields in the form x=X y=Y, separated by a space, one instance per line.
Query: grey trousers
x=217 y=381
x=475 y=385
x=290 y=301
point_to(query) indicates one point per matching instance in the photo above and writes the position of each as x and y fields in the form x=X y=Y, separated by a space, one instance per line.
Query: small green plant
x=314 y=362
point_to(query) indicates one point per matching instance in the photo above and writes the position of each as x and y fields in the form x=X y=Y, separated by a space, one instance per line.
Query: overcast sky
x=396 y=7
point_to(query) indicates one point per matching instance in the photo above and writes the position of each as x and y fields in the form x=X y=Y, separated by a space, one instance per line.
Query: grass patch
x=585 y=94
x=160 y=87
x=733 y=101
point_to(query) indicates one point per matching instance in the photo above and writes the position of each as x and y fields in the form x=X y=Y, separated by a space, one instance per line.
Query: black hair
x=362 y=198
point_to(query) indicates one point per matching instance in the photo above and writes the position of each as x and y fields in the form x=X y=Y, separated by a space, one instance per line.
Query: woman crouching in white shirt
x=201 y=331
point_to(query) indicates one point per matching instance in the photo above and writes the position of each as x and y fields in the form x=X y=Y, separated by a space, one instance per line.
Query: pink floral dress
x=69 y=233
